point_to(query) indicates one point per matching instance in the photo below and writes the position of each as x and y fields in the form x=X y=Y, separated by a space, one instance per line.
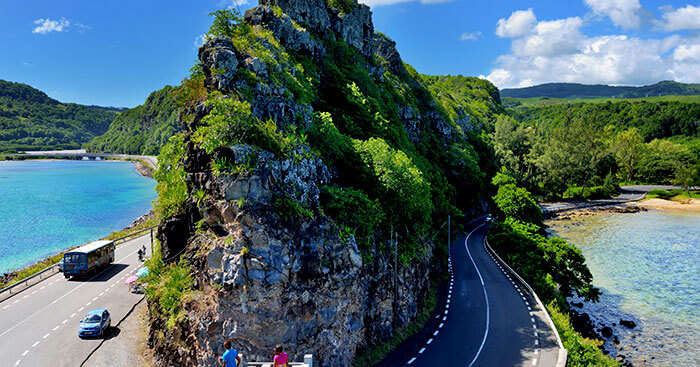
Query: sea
x=49 y=206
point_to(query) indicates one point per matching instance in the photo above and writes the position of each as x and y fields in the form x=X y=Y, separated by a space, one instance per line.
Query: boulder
x=628 y=324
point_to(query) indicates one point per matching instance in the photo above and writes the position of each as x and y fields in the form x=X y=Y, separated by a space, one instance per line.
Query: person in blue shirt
x=230 y=357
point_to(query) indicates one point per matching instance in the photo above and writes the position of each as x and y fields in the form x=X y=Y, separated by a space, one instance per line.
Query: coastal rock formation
x=269 y=264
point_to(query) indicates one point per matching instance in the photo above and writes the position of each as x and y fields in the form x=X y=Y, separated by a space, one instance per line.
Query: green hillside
x=143 y=129
x=31 y=120
x=574 y=90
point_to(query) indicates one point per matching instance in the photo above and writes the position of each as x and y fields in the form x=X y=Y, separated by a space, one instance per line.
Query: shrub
x=290 y=210
x=518 y=203
x=230 y=122
x=409 y=192
x=167 y=286
x=353 y=210
x=170 y=174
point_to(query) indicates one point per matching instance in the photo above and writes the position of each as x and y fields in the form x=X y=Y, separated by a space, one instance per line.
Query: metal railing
x=308 y=362
x=12 y=290
x=563 y=353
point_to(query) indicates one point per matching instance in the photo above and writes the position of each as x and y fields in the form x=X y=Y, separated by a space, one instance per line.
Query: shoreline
x=10 y=277
x=629 y=207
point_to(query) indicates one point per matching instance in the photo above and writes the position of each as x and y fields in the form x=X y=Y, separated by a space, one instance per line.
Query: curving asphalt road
x=486 y=320
x=39 y=326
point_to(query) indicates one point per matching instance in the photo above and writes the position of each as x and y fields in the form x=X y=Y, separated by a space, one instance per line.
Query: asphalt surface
x=486 y=319
x=627 y=194
x=39 y=326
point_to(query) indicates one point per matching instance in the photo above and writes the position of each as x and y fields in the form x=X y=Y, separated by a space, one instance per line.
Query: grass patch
x=150 y=222
x=582 y=351
x=167 y=286
x=674 y=195
x=33 y=269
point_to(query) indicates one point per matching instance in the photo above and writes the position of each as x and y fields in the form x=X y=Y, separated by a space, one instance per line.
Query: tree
x=686 y=177
x=628 y=148
x=518 y=203
x=572 y=152
x=512 y=144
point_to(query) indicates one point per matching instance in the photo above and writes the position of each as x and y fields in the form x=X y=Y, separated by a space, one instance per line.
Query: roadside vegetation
x=554 y=268
x=673 y=195
x=14 y=277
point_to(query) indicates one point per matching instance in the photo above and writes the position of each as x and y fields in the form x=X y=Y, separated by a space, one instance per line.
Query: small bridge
x=81 y=154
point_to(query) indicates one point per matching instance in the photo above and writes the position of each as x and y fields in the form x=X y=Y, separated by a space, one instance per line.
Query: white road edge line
x=412 y=359
x=59 y=298
x=486 y=297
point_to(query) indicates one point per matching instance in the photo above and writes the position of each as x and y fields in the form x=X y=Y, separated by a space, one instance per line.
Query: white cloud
x=470 y=36
x=518 y=24
x=551 y=38
x=683 y=18
x=375 y=3
x=47 y=25
x=623 y=13
x=557 y=51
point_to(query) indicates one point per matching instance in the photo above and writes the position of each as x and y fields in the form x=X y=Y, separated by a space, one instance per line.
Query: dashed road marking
x=534 y=362
x=533 y=320
x=421 y=350
x=64 y=321
x=429 y=341
x=35 y=344
x=18 y=361
x=46 y=336
x=25 y=353
x=537 y=342
x=411 y=361
x=81 y=308
x=55 y=328
x=436 y=332
x=441 y=325
x=71 y=316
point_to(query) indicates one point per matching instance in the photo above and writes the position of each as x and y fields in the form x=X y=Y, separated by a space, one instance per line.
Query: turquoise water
x=648 y=265
x=47 y=206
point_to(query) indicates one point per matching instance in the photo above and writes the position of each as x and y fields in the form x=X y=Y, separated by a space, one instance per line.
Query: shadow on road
x=112 y=333
x=106 y=275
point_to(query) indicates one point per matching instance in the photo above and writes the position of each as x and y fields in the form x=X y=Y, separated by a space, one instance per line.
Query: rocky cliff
x=306 y=198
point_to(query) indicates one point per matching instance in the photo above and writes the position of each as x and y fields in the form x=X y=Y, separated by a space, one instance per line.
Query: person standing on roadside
x=230 y=357
x=280 y=359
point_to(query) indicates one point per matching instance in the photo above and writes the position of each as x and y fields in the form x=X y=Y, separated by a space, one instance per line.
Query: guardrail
x=308 y=362
x=12 y=290
x=563 y=353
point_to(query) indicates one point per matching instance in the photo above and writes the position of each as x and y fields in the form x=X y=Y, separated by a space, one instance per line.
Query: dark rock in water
x=606 y=331
x=628 y=323
x=616 y=340
x=577 y=304
x=583 y=324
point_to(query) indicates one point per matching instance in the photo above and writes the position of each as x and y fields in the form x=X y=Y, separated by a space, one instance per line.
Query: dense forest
x=143 y=129
x=573 y=90
x=31 y=120
x=586 y=149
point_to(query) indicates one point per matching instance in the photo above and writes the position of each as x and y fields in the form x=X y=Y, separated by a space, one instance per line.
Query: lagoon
x=648 y=266
x=48 y=206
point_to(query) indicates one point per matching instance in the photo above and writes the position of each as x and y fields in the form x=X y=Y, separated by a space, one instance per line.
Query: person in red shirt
x=280 y=359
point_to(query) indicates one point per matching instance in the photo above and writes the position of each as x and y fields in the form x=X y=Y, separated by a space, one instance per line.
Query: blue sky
x=116 y=53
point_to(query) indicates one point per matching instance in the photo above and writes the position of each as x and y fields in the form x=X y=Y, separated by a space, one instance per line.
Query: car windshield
x=92 y=318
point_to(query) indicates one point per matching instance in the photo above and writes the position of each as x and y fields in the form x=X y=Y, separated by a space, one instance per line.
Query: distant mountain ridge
x=574 y=90
x=31 y=120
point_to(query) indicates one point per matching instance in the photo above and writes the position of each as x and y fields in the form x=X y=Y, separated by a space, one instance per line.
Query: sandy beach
x=692 y=204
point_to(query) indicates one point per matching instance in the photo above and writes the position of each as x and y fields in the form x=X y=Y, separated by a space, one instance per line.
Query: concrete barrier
x=563 y=353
